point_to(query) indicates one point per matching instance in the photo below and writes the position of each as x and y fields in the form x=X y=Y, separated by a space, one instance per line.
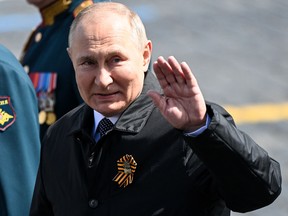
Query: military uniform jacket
x=19 y=137
x=221 y=169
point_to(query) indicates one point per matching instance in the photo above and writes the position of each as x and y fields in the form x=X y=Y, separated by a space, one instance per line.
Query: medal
x=42 y=117
x=126 y=169
x=45 y=85
x=51 y=118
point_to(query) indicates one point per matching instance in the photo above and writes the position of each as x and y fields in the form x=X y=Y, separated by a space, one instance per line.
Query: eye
x=116 y=59
x=87 y=63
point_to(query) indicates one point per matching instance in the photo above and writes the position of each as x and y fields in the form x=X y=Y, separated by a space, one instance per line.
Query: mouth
x=106 y=95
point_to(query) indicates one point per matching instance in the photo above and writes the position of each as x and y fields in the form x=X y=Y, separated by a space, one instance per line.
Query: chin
x=108 y=111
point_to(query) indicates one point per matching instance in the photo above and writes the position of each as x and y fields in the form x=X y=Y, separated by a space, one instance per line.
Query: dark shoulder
x=70 y=122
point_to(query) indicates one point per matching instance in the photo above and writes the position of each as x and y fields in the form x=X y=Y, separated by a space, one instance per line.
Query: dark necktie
x=104 y=126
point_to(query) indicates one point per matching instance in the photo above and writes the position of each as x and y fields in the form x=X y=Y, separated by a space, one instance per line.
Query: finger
x=189 y=76
x=177 y=70
x=183 y=71
x=159 y=74
x=157 y=99
x=167 y=71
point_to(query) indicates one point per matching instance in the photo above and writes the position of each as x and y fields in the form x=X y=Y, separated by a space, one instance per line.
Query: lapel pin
x=126 y=169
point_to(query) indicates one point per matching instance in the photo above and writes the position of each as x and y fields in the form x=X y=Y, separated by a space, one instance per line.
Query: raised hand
x=182 y=102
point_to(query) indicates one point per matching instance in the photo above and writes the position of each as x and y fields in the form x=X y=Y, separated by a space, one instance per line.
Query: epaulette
x=80 y=7
x=53 y=10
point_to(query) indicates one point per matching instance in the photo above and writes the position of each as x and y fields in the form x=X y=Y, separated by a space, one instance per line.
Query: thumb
x=157 y=99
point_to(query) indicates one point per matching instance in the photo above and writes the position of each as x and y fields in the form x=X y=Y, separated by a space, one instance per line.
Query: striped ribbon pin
x=126 y=169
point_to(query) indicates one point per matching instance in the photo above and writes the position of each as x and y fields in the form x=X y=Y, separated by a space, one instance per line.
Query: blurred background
x=237 y=49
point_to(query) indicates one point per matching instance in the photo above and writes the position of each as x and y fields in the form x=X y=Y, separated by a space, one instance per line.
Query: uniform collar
x=58 y=7
x=51 y=11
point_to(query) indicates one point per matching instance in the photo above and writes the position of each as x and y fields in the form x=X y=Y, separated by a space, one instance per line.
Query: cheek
x=83 y=83
x=84 y=77
x=136 y=85
x=79 y=80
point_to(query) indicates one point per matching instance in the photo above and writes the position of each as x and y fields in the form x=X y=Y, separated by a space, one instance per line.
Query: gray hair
x=137 y=28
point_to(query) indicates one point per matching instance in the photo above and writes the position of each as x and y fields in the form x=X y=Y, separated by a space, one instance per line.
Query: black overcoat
x=221 y=169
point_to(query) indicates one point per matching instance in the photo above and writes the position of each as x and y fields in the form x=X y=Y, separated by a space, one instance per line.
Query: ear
x=147 y=52
x=69 y=51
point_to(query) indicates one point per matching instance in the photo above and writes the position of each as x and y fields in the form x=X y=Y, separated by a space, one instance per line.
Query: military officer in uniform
x=46 y=61
x=19 y=137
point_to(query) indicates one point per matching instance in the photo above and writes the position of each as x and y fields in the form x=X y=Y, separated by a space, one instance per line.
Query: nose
x=103 y=78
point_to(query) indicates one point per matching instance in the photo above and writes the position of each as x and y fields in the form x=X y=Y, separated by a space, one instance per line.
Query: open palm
x=182 y=102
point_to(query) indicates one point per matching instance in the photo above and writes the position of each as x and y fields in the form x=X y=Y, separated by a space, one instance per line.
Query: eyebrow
x=108 y=53
x=85 y=58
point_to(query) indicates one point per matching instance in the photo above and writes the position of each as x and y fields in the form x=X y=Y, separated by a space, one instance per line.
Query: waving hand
x=182 y=102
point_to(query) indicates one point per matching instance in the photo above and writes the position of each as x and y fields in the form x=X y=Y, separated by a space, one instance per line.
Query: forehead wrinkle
x=108 y=43
x=98 y=54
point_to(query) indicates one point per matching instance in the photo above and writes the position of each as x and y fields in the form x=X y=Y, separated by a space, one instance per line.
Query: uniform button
x=93 y=203
x=38 y=37
x=26 y=68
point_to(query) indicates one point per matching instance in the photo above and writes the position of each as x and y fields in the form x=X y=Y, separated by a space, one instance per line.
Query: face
x=40 y=3
x=108 y=63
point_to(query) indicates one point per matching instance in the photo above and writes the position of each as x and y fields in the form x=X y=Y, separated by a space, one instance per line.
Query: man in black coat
x=162 y=150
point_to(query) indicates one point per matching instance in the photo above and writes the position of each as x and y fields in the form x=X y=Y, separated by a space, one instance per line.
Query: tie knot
x=104 y=126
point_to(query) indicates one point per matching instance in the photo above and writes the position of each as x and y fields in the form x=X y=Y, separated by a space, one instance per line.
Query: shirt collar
x=98 y=117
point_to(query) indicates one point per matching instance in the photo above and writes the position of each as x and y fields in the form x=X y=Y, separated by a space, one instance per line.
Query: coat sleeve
x=246 y=176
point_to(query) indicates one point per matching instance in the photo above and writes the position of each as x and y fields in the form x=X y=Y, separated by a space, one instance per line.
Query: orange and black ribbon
x=126 y=169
